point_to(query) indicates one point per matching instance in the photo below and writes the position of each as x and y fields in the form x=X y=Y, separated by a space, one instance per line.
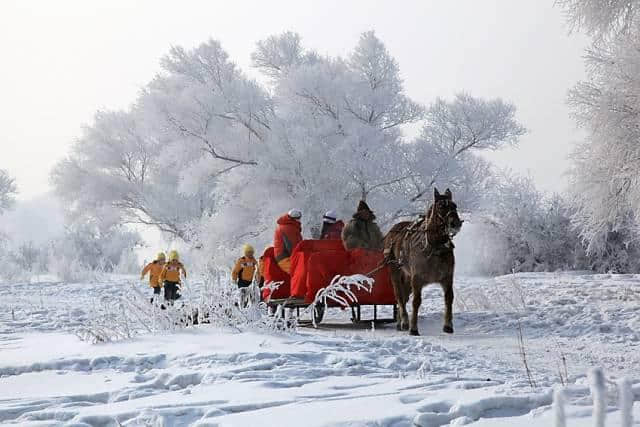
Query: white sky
x=62 y=60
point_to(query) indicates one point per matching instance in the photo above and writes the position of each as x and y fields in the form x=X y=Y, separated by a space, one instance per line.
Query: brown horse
x=420 y=253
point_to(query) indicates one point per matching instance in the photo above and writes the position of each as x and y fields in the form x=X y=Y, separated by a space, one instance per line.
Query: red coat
x=332 y=231
x=288 y=234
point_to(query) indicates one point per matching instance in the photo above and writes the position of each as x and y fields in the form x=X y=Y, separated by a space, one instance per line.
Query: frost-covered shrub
x=25 y=256
x=90 y=247
x=215 y=301
x=617 y=251
x=69 y=269
x=519 y=228
x=11 y=270
x=128 y=263
x=95 y=244
x=522 y=229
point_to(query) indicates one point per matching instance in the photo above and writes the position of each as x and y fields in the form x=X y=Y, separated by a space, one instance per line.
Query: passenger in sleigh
x=331 y=227
x=362 y=232
x=288 y=234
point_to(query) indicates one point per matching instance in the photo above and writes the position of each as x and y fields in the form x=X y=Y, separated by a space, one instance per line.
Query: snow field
x=338 y=374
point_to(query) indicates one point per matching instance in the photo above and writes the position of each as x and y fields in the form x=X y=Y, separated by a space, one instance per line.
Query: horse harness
x=419 y=226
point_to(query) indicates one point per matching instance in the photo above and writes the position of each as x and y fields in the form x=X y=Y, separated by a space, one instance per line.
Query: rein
x=422 y=224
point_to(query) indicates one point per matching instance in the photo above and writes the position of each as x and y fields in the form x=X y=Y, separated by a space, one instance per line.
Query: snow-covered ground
x=338 y=374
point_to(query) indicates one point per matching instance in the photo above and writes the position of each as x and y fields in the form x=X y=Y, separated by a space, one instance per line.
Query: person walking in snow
x=245 y=268
x=171 y=275
x=243 y=274
x=331 y=227
x=288 y=234
x=154 y=269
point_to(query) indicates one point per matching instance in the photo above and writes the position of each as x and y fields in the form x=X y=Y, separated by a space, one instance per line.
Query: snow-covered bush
x=27 y=256
x=215 y=302
x=92 y=245
x=70 y=269
x=11 y=271
x=519 y=228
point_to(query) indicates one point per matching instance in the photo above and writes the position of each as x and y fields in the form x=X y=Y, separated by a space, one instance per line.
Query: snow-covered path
x=339 y=374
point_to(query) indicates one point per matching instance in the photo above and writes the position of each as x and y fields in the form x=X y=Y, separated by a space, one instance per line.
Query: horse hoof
x=414 y=332
x=399 y=327
x=405 y=327
x=448 y=329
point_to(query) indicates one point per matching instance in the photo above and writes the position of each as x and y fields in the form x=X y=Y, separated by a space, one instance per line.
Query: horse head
x=446 y=211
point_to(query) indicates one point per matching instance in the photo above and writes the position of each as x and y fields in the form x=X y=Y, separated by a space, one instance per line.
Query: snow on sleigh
x=322 y=271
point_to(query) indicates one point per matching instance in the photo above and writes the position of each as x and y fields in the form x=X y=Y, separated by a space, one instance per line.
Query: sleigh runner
x=319 y=266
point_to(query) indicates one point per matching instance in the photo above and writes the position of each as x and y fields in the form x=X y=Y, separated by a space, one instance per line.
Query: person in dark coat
x=362 y=231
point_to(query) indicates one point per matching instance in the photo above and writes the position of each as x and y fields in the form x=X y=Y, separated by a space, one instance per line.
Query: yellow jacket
x=244 y=269
x=154 y=269
x=171 y=272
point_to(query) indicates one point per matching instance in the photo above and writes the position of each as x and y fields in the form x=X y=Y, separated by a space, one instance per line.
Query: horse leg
x=404 y=297
x=447 y=287
x=399 y=285
x=416 y=287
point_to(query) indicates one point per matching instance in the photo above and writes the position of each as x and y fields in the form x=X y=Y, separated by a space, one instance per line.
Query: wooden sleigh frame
x=318 y=314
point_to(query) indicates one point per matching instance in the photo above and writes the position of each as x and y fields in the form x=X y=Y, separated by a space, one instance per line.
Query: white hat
x=330 y=217
x=295 y=213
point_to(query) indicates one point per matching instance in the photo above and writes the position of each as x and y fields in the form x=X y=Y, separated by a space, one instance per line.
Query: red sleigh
x=314 y=263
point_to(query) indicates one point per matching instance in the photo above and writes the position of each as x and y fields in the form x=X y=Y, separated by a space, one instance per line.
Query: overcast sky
x=62 y=60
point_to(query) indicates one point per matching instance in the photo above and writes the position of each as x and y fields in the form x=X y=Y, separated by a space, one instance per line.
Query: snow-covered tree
x=91 y=243
x=605 y=169
x=519 y=228
x=212 y=157
x=157 y=162
x=605 y=173
x=453 y=133
x=8 y=190
x=601 y=18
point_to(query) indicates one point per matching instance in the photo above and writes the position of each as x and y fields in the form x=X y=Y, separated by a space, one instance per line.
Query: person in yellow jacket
x=245 y=268
x=171 y=275
x=154 y=269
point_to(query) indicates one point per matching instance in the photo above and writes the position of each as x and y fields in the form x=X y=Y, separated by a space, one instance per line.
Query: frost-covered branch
x=341 y=289
x=210 y=148
x=600 y=18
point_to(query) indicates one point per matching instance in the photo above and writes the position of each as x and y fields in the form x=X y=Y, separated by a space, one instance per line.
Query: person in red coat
x=331 y=227
x=288 y=234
